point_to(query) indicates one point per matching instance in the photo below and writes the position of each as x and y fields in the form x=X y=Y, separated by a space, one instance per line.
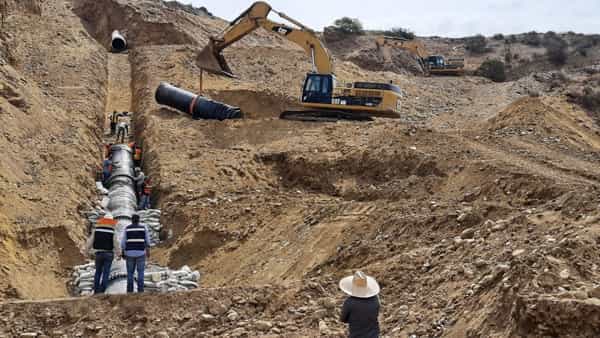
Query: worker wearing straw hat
x=361 y=309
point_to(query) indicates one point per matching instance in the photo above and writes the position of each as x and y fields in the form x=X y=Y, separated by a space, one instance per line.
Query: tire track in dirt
x=510 y=159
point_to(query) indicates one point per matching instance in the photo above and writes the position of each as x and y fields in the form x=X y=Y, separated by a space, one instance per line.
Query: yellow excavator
x=322 y=98
x=431 y=64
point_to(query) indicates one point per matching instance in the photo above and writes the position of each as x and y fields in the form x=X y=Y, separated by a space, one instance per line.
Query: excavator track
x=323 y=116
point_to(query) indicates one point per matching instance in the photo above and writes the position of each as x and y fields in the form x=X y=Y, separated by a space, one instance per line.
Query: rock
x=323 y=328
x=29 y=334
x=320 y=314
x=217 y=309
x=468 y=233
x=564 y=274
x=263 y=325
x=518 y=252
x=161 y=334
x=499 y=226
x=480 y=263
x=595 y=292
x=328 y=303
x=205 y=317
x=232 y=316
x=238 y=332
x=579 y=294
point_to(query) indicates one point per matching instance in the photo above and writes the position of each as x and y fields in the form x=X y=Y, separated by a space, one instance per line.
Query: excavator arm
x=211 y=57
x=413 y=46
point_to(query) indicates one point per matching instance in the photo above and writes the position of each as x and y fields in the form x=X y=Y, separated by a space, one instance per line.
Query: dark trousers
x=135 y=263
x=113 y=128
x=122 y=134
x=103 y=263
x=144 y=202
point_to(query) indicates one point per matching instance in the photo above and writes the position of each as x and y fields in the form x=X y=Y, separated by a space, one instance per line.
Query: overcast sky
x=454 y=18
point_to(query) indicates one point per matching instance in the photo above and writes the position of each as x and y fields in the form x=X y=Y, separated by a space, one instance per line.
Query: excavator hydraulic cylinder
x=198 y=106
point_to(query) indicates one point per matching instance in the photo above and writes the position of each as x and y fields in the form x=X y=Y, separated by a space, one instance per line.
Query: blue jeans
x=144 y=202
x=135 y=263
x=103 y=262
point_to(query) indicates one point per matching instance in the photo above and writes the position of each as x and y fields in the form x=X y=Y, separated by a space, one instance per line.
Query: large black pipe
x=197 y=106
x=118 y=42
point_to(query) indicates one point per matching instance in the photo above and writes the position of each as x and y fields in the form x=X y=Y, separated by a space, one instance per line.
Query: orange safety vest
x=138 y=154
x=147 y=188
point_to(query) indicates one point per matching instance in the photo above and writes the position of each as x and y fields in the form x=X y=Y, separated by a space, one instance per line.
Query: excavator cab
x=318 y=88
x=436 y=62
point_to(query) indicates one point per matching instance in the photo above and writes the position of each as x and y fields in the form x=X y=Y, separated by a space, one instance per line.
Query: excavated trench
x=118 y=198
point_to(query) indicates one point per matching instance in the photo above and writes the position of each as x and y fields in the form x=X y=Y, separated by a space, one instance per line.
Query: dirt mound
x=363 y=51
x=524 y=113
x=256 y=104
x=101 y=18
x=353 y=175
x=50 y=137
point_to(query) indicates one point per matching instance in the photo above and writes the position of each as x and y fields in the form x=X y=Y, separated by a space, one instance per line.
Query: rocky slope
x=476 y=211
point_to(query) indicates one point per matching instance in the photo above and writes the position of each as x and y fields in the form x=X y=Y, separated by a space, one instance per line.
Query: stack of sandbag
x=151 y=218
x=94 y=215
x=158 y=279
x=83 y=279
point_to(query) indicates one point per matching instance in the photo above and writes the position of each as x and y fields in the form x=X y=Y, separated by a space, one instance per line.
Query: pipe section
x=122 y=204
x=118 y=42
x=197 y=106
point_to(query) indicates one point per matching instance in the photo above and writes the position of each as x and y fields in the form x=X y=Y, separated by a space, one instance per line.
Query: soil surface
x=477 y=211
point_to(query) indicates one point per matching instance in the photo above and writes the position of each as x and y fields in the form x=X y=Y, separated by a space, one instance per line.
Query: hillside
x=477 y=211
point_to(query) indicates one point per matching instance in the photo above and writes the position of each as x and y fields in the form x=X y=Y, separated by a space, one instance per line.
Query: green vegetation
x=347 y=26
x=493 y=70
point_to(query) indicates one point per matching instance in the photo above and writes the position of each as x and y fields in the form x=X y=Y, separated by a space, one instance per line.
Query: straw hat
x=360 y=285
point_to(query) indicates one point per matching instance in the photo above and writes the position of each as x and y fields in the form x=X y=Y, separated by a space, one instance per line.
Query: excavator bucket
x=213 y=61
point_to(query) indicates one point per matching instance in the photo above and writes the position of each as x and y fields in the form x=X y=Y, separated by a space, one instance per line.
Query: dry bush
x=494 y=70
x=477 y=44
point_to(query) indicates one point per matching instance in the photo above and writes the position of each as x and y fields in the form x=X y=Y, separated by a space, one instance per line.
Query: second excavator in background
x=431 y=64
x=322 y=97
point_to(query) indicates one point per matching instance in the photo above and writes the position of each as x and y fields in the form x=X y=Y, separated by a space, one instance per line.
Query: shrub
x=583 y=51
x=476 y=44
x=400 y=32
x=498 y=36
x=508 y=57
x=590 y=99
x=532 y=39
x=556 y=50
x=493 y=70
x=347 y=26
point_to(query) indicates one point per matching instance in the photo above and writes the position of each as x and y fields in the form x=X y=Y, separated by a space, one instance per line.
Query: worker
x=361 y=310
x=113 y=122
x=122 y=131
x=104 y=245
x=106 y=170
x=138 y=180
x=137 y=155
x=107 y=149
x=145 y=196
x=136 y=248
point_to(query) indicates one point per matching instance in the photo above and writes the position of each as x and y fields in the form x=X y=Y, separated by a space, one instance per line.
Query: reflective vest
x=147 y=187
x=136 y=237
x=104 y=234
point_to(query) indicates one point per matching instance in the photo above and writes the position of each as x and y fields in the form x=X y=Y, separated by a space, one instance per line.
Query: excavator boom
x=211 y=57
x=322 y=98
x=431 y=64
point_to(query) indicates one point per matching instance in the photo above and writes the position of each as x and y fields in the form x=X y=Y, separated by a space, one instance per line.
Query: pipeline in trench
x=118 y=199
